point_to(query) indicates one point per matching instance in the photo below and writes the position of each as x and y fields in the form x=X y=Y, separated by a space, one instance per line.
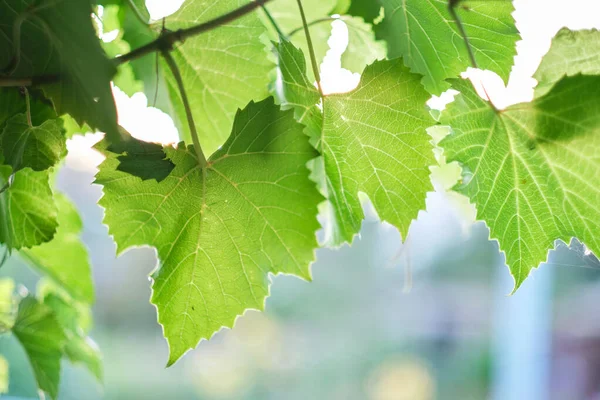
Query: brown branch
x=9 y=81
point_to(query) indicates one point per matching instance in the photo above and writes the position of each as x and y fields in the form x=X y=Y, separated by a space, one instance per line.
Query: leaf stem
x=28 y=109
x=311 y=23
x=186 y=105
x=313 y=59
x=452 y=9
x=272 y=21
x=137 y=13
x=165 y=42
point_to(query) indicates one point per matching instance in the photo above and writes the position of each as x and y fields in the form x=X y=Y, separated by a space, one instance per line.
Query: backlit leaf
x=530 y=169
x=220 y=230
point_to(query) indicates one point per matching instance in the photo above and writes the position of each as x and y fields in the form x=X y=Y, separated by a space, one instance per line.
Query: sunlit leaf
x=220 y=230
x=373 y=140
x=530 y=169
x=572 y=52
x=424 y=33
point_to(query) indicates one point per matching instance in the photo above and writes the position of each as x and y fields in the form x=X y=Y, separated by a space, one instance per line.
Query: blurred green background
x=429 y=319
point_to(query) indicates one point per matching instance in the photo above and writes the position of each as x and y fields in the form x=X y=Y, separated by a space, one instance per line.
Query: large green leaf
x=220 y=230
x=37 y=147
x=222 y=69
x=369 y=10
x=65 y=258
x=424 y=33
x=43 y=339
x=572 y=52
x=57 y=38
x=530 y=169
x=373 y=140
x=27 y=210
x=74 y=318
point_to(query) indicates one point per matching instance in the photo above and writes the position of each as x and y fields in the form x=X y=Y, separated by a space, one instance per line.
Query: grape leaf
x=137 y=34
x=367 y=9
x=43 y=339
x=27 y=210
x=373 y=140
x=287 y=13
x=220 y=230
x=530 y=169
x=222 y=69
x=52 y=44
x=571 y=53
x=74 y=318
x=65 y=258
x=424 y=33
x=37 y=147
x=362 y=48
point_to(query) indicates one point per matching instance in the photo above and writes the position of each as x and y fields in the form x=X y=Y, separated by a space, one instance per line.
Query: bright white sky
x=537 y=20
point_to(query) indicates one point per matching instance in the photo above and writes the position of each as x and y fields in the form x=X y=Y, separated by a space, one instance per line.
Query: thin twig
x=311 y=23
x=137 y=12
x=186 y=105
x=166 y=41
x=16 y=32
x=28 y=107
x=452 y=4
x=313 y=58
x=273 y=22
x=8 y=81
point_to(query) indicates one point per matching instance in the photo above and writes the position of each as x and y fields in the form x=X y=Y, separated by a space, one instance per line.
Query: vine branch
x=166 y=41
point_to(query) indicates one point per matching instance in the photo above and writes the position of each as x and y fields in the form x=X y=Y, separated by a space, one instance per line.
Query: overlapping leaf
x=530 y=169
x=43 y=339
x=372 y=140
x=57 y=39
x=36 y=147
x=424 y=33
x=28 y=215
x=572 y=52
x=65 y=257
x=74 y=318
x=222 y=69
x=221 y=229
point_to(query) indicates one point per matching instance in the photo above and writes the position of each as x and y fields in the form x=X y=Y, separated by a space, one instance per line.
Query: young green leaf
x=57 y=39
x=74 y=318
x=220 y=230
x=27 y=210
x=530 y=169
x=424 y=33
x=37 y=147
x=373 y=140
x=43 y=339
x=65 y=258
x=572 y=52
